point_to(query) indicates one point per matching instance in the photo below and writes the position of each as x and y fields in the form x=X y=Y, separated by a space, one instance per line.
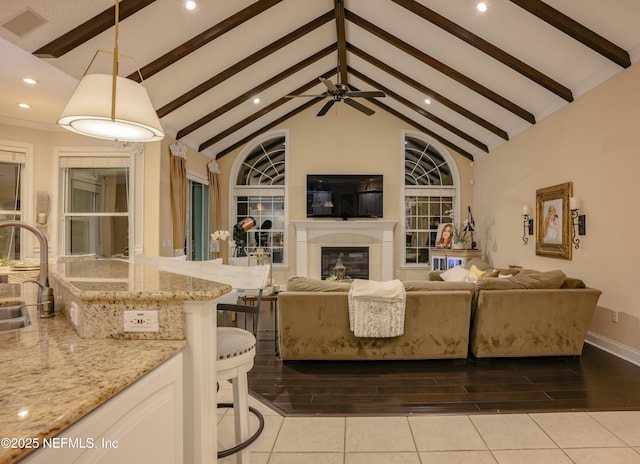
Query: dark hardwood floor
x=597 y=381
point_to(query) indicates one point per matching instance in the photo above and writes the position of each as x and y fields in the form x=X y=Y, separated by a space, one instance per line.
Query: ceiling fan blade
x=330 y=85
x=306 y=96
x=326 y=108
x=365 y=94
x=358 y=106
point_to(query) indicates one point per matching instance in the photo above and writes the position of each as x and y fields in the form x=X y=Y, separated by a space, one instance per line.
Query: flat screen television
x=344 y=195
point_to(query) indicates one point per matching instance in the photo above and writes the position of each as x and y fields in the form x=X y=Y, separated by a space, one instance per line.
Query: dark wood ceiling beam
x=442 y=123
x=488 y=48
x=342 y=41
x=421 y=128
x=441 y=67
x=310 y=103
x=254 y=91
x=203 y=38
x=265 y=128
x=428 y=92
x=243 y=64
x=576 y=30
x=258 y=114
x=89 y=29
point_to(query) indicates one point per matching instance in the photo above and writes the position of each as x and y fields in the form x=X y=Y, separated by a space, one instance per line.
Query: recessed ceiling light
x=482 y=6
x=28 y=80
x=24 y=105
x=427 y=101
x=256 y=101
x=191 y=5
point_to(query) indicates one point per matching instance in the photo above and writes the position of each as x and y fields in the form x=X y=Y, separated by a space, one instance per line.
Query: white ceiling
x=164 y=25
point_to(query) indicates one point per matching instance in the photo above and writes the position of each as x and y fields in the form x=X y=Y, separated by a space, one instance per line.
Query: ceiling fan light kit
x=111 y=107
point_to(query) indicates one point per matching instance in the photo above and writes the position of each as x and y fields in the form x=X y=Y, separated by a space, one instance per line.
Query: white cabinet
x=143 y=423
x=446 y=258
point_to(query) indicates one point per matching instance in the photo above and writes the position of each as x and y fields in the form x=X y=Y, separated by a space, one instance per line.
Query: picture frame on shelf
x=553 y=221
x=446 y=229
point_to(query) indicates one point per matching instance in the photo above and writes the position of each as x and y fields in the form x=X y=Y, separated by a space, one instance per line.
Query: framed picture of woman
x=553 y=221
x=444 y=235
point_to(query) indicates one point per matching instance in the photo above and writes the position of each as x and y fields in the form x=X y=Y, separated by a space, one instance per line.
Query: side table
x=272 y=299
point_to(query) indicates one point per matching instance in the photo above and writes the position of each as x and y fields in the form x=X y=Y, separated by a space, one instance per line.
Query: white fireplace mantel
x=380 y=231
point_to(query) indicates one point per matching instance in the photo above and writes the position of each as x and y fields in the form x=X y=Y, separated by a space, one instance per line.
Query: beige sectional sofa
x=530 y=313
x=313 y=319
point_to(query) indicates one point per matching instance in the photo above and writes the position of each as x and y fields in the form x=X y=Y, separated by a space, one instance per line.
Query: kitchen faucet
x=45 y=293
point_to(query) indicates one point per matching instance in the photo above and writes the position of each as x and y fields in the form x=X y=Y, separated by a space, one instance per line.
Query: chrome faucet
x=45 y=293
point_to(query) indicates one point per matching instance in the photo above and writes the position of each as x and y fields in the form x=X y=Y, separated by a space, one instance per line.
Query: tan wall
x=593 y=143
x=344 y=142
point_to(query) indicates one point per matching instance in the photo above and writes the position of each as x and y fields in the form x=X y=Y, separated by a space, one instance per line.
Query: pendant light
x=111 y=107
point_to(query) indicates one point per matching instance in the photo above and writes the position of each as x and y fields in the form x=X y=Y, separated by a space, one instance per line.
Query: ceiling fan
x=342 y=92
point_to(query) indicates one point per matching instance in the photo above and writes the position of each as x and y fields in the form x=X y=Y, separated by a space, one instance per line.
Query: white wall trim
x=617 y=349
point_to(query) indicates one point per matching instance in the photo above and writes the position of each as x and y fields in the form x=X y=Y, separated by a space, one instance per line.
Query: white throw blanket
x=376 y=309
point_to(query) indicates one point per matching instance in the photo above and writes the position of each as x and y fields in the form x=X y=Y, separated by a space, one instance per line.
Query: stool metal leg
x=241 y=413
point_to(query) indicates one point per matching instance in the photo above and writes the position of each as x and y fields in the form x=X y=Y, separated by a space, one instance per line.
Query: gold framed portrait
x=553 y=221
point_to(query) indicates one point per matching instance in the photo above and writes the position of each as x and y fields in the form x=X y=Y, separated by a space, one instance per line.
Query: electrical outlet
x=614 y=317
x=141 y=321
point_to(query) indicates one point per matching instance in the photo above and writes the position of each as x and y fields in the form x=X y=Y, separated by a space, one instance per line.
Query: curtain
x=213 y=172
x=178 y=177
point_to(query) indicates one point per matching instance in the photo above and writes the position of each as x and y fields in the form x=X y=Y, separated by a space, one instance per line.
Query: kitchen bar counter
x=94 y=295
x=52 y=377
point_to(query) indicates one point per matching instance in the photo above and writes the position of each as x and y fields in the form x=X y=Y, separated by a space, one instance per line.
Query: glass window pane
x=98 y=190
x=425 y=168
x=105 y=236
x=10 y=243
x=9 y=187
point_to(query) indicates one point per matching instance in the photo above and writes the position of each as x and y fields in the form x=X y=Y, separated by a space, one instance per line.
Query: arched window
x=259 y=193
x=430 y=195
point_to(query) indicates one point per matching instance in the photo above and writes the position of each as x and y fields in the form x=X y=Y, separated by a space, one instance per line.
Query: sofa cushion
x=478 y=263
x=428 y=286
x=308 y=284
x=526 y=280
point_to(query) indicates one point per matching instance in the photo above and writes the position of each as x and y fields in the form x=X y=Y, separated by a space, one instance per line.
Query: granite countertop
x=51 y=377
x=112 y=279
x=95 y=295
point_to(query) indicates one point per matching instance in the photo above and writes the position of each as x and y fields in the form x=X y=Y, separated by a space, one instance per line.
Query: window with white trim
x=430 y=193
x=259 y=193
x=12 y=167
x=96 y=213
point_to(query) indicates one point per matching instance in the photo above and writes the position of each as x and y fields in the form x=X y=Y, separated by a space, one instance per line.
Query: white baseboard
x=617 y=349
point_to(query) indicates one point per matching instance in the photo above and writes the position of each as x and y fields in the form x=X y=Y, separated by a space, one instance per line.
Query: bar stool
x=236 y=350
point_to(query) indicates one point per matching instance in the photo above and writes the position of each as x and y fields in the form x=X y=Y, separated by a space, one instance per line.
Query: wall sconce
x=527 y=221
x=578 y=221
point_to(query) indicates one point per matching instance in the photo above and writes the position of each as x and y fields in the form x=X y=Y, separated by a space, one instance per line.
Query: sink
x=14 y=317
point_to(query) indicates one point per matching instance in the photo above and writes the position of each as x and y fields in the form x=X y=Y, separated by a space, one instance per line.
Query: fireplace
x=354 y=259
x=376 y=235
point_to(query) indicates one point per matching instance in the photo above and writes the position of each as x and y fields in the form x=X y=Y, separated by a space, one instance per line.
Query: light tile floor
x=553 y=438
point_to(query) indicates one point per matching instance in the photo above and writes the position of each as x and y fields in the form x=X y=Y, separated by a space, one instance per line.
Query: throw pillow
x=571 y=282
x=477 y=272
x=523 y=280
x=455 y=274
x=548 y=279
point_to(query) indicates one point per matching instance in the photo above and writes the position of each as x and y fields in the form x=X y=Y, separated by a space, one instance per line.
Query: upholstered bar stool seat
x=236 y=350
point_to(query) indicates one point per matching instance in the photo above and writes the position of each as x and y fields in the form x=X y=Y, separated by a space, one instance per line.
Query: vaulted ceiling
x=488 y=75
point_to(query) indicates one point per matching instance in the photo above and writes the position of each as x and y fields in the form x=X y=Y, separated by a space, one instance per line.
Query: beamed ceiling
x=489 y=76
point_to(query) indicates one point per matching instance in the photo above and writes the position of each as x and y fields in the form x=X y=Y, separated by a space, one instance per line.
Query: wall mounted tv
x=344 y=195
